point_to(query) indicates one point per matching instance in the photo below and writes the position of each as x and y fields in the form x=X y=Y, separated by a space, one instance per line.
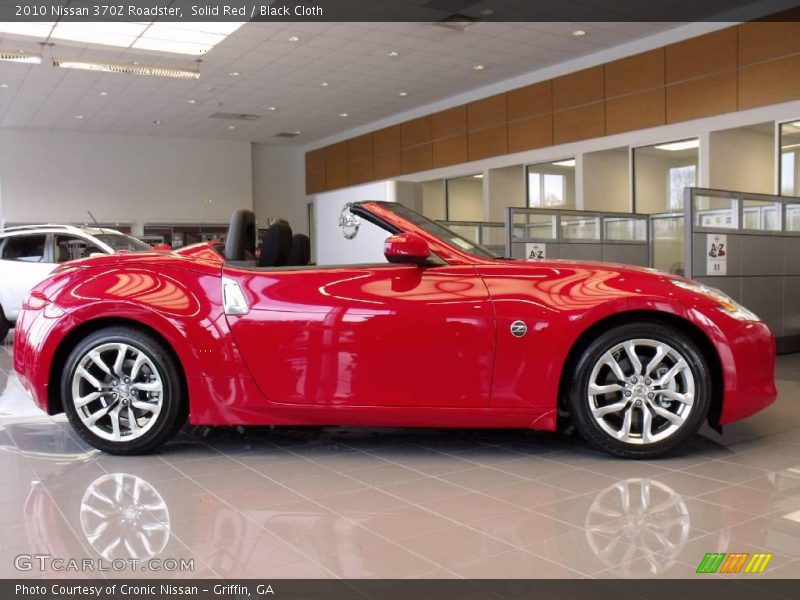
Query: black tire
x=4 y=326
x=581 y=404
x=174 y=401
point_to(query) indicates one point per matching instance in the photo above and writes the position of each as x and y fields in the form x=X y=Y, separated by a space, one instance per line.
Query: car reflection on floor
x=319 y=502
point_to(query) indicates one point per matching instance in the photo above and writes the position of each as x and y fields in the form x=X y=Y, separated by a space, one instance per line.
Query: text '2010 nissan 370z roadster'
x=444 y=334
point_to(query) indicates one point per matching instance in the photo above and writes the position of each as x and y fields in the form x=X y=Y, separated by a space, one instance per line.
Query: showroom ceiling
x=317 y=78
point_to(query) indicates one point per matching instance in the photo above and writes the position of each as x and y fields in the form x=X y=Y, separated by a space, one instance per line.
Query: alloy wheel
x=641 y=391
x=117 y=391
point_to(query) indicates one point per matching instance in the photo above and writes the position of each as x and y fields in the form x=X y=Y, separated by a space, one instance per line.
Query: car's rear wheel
x=640 y=390
x=122 y=391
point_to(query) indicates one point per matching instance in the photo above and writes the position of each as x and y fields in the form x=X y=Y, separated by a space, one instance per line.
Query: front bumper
x=748 y=365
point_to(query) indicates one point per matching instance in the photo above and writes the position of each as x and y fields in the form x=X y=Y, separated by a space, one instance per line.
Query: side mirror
x=406 y=248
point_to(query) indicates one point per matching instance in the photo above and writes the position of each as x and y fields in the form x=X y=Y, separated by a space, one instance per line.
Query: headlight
x=724 y=302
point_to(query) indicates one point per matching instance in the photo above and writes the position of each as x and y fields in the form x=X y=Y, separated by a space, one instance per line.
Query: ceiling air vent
x=235 y=116
x=288 y=134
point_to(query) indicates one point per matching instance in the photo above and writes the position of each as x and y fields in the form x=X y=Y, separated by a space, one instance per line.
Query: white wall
x=465 y=199
x=279 y=185
x=743 y=160
x=433 y=199
x=332 y=248
x=58 y=175
x=506 y=188
x=606 y=177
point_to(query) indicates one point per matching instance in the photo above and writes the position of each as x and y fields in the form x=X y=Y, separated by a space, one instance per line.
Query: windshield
x=441 y=232
x=118 y=242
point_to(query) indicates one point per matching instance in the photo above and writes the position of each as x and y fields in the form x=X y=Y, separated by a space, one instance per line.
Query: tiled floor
x=363 y=503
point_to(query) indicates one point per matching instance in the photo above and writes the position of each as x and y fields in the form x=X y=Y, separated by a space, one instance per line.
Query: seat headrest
x=276 y=245
x=301 y=250
x=241 y=241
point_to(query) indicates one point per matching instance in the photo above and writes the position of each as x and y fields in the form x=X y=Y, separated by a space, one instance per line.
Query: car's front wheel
x=640 y=390
x=122 y=391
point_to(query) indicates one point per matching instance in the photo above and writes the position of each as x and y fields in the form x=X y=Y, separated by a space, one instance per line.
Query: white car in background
x=28 y=254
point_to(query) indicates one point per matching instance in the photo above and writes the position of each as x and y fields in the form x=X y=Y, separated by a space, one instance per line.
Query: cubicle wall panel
x=700 y=255
x=582 y=251
x=791 y=305
x=627 y=254
x=763 y=296
x=760 y=254
x=791 y=257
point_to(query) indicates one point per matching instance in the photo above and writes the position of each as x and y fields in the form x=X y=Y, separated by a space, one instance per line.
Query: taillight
x=35 y=301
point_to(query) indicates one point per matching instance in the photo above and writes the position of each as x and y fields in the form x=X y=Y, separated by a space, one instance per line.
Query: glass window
x=788 y=162
x=679 y=179
x=28 y=248
x=552 y=185
x=790 y=159
x=661 y=173
x=70 y=247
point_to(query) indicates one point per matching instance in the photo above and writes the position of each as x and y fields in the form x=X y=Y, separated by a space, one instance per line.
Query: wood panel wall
x=736 y=68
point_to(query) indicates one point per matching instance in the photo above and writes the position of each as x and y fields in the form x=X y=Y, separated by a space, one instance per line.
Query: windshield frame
x=443 y=234
x=132 y=244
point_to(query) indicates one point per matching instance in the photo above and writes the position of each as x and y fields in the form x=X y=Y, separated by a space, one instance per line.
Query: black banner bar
x=397 y=10
x=744 y=588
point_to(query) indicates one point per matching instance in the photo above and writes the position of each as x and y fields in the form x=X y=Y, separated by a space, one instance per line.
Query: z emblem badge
x=519 y=329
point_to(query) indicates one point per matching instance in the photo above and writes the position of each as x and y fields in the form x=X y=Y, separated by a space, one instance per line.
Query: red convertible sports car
x=443 y=335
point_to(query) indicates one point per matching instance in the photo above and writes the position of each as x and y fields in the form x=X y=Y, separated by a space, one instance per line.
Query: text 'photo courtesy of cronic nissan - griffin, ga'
x=446 y=334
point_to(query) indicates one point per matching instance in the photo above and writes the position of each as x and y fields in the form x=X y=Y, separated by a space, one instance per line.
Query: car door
x=378 y=335
x=25 y=262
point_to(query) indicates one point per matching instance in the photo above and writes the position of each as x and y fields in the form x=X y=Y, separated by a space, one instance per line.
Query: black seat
x=301 y=250
x=241 y=241
x=276 y=246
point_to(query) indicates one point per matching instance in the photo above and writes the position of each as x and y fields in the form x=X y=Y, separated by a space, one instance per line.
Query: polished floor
x=320 y=503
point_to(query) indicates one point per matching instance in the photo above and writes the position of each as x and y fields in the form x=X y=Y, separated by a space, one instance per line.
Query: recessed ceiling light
x=20 y=56
x=78 y=116
x=324 y=84
x=478 y=67
x=183 y=38
x=234 y=74
x=570 y=162
x=294 y=38
x=191 y=101
x=134 y=69
x=272 y=108
x=675 y=146
x=157 y=122
x=478 y=176
x=3 y=85
x=103 y=94
x=402 y=94
x=392 y=53
x=344 y=115
x=579 y=32
x=231 y=126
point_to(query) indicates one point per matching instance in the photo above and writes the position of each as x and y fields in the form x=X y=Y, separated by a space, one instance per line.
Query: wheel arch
x=703 y=342
x=65 y=346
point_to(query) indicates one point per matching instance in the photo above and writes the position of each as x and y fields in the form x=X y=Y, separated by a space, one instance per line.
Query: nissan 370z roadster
x=442 y=334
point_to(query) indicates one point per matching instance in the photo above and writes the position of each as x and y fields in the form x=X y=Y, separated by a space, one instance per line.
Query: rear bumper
x=748 y=364
x=34 y=351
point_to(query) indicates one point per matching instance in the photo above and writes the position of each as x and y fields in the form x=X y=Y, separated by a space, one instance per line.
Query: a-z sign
x=716 y=254
x=536 y=251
